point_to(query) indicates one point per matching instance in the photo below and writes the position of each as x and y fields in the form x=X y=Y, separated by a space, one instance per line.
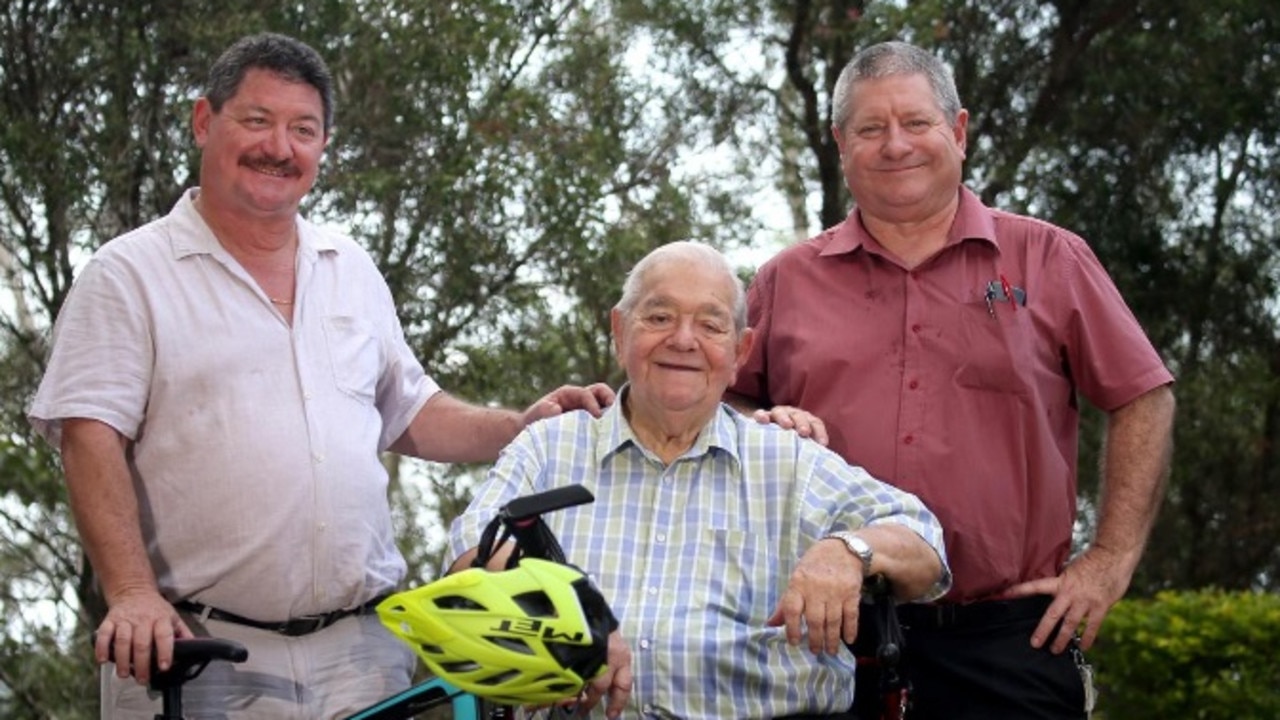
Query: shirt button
x=661 y=537
x=653 y=590
x=915 y=328
x=913 y=384
x=644 y=644
x=908 y=439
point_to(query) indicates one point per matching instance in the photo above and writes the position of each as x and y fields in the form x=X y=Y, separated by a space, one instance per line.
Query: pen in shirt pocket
x=1001 y=290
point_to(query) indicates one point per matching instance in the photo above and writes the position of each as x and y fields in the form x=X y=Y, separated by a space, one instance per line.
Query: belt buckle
x=304 y=625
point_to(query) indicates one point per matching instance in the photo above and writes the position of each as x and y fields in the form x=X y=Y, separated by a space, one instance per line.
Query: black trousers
x=976 y=663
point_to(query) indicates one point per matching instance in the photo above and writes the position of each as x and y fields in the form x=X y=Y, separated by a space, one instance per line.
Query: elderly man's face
x=678 y=345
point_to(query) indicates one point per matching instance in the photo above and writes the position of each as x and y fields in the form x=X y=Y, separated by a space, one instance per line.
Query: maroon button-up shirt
x=956 y=380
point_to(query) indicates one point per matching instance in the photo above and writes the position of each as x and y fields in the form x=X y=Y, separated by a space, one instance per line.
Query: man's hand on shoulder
x=805 y=423
x=592 y=398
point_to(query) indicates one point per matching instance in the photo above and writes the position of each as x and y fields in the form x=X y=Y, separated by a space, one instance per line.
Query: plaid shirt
x=694 y=556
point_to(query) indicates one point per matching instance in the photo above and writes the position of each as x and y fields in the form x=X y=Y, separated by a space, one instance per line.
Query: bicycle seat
x=190 y=656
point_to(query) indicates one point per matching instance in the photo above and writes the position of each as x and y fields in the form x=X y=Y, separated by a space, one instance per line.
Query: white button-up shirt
x=256 y=444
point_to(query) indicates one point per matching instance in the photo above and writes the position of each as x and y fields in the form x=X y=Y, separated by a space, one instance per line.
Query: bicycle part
x=879 y=650
x=422 y=697
x=521 y=519
x=190 y=657
x=527 y=507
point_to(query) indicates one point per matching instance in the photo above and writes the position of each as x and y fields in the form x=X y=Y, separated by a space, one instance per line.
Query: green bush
x=1200 y=654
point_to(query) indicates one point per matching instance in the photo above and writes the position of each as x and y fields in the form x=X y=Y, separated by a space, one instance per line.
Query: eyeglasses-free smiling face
x=261 y=152
x=900 y=156
x=678 y=344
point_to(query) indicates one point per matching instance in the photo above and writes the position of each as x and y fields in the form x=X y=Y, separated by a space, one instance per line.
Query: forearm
x=911 y=565
x=1135 y=466
x=447 y=429
x=105 y=506
x=497 y=562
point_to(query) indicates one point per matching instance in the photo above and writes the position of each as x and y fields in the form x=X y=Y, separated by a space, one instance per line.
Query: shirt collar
x=194 y=237
x=973 y=221
x=719 y=434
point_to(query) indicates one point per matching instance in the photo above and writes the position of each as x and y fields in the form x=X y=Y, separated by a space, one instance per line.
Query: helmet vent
x=457 y=602
x=500 y=678
x=536 y=604
x=512 y=644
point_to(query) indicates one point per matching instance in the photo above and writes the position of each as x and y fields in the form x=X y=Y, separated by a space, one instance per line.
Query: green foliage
x=40 y=680
x=1197 y=654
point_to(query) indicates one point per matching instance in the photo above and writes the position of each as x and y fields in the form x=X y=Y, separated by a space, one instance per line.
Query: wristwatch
x=857 y=546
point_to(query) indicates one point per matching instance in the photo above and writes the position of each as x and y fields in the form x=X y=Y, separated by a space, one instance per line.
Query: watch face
x=860 y=548
x=857 y=546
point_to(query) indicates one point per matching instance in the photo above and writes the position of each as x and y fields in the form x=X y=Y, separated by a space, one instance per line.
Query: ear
x=740 y=354
x=839 y=136
x=201 y=117
x=961 y=131
x=616 y=323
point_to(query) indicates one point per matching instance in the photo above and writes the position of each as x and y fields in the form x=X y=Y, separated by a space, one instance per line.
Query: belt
x=304 y=625
x=988 y=612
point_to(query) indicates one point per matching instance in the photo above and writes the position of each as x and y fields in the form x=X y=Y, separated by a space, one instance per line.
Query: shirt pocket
x=996 y=341
x=355 y=355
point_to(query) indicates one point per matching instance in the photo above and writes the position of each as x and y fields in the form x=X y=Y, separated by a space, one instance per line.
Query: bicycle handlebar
x=190 y=656
x=528 y=507
x=521 y=519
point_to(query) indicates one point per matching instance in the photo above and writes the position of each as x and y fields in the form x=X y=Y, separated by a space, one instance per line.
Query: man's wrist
x=860 y=548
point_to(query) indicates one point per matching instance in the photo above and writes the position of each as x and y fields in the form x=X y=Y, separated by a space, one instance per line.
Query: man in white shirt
x=220 y=386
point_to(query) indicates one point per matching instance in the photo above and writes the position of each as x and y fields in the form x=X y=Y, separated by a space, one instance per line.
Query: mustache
x=259 y=162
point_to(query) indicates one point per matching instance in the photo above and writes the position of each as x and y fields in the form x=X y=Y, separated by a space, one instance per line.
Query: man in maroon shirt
x=942 y=344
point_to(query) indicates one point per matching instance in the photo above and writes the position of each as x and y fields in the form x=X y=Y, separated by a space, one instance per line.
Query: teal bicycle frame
x=420 y=697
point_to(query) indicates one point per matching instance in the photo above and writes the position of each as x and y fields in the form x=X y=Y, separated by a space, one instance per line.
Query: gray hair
x=692 y=252
x=291 y=59
x=895 y=58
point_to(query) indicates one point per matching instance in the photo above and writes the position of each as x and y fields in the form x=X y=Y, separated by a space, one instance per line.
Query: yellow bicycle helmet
x=534 y=634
